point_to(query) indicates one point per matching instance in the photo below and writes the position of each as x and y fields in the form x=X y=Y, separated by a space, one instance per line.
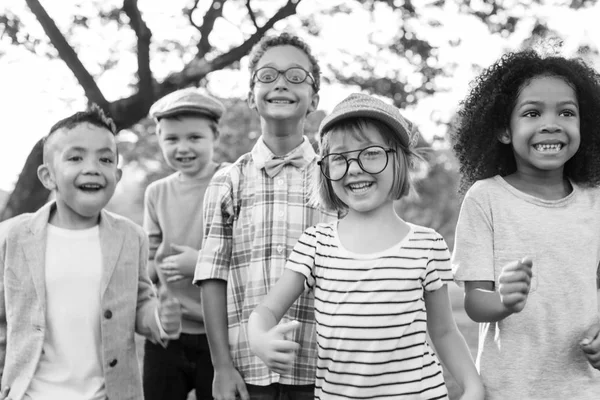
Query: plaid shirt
x=252 y=222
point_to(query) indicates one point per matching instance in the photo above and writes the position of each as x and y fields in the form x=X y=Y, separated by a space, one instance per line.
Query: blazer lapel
x=111 y=242
x=34 y=249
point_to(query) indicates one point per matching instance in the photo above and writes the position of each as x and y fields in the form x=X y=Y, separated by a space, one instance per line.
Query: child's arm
x=227 y=380
x=450 y=344
x=152 y=228
x=180 y=265
x=267 y=339
x=484 y=304
x=590 y=345
x=152 y=315
x=212 y=272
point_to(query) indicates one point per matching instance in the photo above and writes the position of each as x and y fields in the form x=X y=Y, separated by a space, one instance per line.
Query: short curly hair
x=486 y=112
x=94 y=115
x=284 y=39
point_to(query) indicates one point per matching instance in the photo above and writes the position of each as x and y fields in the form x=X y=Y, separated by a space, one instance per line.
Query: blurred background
x=57 y=57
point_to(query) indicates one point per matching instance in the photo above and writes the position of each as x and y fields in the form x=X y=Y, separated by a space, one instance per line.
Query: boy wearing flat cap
x=187 y=128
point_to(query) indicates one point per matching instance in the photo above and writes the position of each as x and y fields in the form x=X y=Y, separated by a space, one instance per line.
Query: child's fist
x=590 y=344
x=515 y=282
x=275 y=348
x=169 y=312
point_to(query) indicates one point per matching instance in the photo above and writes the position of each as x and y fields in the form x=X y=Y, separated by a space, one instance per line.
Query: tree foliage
x=402 y=60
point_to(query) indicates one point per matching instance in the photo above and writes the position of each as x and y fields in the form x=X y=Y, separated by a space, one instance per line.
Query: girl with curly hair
x=527 y=246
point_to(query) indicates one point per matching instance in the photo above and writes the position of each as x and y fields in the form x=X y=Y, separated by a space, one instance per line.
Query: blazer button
x=108 y=314
x=113 y=362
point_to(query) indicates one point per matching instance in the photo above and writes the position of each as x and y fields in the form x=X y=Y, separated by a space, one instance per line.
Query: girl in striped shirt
x=379 y=282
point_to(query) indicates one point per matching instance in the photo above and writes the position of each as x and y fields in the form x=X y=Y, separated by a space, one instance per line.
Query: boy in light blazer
x=74 y=286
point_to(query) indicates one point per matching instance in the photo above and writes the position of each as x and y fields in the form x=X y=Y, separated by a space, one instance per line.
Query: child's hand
x=515 y=282
x=181 y=265
x=275 y=350
x=228 y=384
x=169 y=312
x=590 y=344
x=4 y=393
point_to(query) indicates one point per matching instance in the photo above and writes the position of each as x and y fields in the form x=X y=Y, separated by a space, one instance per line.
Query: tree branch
x=129 y=110
x=199 y=68
x=208 y=23
x=68 y=55
x=143 y=33
x=31 y=194
x=251 y=14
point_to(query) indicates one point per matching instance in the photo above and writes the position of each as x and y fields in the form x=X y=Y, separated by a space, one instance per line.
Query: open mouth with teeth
x=280 y=101
x=548 y=148
x=90 y=187
x=360 y=187
x=185 y=159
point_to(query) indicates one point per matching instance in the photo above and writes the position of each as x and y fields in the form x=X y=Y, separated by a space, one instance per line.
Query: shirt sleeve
x=438 y=271
x=302 y=258
x=218 y=214
x=473 y=255
x=150 y=222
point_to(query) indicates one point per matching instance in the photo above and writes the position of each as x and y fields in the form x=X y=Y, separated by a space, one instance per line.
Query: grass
x=467 y=327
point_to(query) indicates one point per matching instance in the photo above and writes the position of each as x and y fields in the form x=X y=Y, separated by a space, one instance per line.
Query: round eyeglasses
x=295 y=75
x=372 y=160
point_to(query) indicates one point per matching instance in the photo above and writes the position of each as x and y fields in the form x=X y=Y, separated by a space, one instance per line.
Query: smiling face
x=361 y=191
x=281 y=100
x=187 y=144
x=80 y=166
x=544 y=126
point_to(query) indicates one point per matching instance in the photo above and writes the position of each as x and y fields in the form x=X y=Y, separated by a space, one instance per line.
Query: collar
x=261 y=153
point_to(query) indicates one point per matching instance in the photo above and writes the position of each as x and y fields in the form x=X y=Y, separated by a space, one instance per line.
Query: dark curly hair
x=283 y=39
x=486 y=112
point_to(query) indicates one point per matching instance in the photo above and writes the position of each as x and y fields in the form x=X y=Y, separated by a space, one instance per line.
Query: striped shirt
x=252 y=222
x=370 y=314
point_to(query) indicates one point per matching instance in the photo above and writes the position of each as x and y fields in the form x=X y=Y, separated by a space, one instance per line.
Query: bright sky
x=36 y=92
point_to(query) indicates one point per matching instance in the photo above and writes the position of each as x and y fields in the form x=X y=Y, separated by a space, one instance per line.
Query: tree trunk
x=29 y=193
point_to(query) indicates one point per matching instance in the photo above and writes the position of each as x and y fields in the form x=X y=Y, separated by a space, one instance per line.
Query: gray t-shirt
x=534 y=354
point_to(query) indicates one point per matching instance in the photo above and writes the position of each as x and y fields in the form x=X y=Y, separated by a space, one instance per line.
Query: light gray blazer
x=128 y=301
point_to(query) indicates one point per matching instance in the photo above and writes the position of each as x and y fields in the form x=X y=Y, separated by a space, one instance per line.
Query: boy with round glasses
x=295 y=75
x=254 y=212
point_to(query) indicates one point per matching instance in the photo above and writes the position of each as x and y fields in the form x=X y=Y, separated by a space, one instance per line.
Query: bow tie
x=275 y=165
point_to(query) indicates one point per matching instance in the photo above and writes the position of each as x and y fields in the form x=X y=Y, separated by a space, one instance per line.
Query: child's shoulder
x=322 y=229
x=231 y=172
x=326 y=227
x=488 y=191
x=242 y=162
x=485 y=186
x=15 y=226
x=122 y=224
x=424 y=232
x=162 y=183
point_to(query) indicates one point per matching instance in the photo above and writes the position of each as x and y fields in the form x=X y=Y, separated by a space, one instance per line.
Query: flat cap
x=359 y=105
x=188 y=100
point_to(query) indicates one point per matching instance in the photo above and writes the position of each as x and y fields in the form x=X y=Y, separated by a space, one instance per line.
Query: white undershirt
x=70 y=366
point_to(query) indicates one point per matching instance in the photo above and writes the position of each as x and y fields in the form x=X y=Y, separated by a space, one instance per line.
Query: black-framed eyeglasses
x=373 y=160
x=295 y=75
